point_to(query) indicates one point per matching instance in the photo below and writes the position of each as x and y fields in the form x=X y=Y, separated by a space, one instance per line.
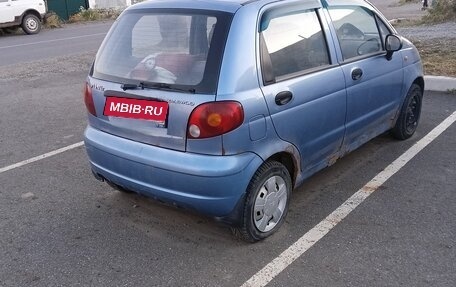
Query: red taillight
x=88 y=99
x=213 y=119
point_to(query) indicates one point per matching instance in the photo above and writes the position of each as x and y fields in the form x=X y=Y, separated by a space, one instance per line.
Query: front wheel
x=410 y=113
x=267 y=200
x=31 y=24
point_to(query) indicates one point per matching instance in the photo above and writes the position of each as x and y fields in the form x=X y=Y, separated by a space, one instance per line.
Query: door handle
x=356 y=74
x=283 y=98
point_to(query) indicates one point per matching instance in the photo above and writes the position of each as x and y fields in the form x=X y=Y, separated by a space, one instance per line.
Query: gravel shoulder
x=436 y=43
x=437 y=46
x=429 y=32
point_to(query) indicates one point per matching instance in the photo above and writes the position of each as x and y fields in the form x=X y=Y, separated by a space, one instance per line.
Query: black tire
x=409 y=115
x=31 y=24
x=271 y=208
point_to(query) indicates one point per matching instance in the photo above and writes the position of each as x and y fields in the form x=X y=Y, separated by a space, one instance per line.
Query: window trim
x=336 y=37
x=267 y=74
x=379 y=21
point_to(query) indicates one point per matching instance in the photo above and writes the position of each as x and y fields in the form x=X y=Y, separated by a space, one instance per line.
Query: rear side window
x=155 y=46
x=291 y=44
x=356 y=30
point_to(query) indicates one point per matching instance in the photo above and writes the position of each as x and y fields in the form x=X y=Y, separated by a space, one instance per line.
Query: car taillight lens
x=88 y=99
x=213 y=119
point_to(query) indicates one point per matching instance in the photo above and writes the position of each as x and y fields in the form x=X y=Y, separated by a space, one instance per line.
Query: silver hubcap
x=270 y=204
x=31 y=24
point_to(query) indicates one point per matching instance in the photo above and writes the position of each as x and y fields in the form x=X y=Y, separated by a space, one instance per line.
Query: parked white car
x=27 y=14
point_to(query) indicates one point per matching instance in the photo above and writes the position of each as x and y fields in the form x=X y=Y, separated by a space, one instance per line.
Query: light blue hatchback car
x=225 y=107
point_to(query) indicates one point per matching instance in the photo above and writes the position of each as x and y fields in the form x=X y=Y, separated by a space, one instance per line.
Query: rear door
x=304 y=91
x=374 y=84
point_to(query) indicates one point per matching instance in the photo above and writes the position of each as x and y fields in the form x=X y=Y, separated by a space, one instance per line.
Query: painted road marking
x=40 y=157
x=276 y=266
x=54 y=40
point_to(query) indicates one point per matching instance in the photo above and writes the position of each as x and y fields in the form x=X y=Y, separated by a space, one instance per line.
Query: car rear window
x=179 y=48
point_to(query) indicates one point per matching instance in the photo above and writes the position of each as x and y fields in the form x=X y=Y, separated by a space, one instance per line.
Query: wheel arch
x=420 y=82
x=289 y=161
x=33 y=12
x=286 y=154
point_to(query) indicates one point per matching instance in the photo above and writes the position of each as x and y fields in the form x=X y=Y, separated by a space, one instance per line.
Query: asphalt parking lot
x=61 y=227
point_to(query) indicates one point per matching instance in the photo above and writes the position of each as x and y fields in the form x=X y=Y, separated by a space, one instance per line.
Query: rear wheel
x=31 y=24
x=409 y=115
x=266 y=205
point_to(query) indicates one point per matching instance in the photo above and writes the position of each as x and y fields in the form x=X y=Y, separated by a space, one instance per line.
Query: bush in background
x=441 y=11
x=94 y=14
x=52 y=20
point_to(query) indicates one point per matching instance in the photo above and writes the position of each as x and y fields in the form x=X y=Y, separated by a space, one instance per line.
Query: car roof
x=219 y=5
x=229 y=5
x=346 y=2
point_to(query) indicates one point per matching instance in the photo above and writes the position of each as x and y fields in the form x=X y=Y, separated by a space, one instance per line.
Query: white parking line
x=40 y=157
x=271 y=270
x=54 y=40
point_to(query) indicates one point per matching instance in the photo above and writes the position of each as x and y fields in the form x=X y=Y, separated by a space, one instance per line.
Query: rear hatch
x=153 y=68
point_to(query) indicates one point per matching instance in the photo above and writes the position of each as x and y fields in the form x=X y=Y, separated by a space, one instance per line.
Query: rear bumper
x=212 y=185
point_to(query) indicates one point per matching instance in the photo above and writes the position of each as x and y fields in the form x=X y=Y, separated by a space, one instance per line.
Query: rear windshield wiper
x=130 y=86
x=159 y=86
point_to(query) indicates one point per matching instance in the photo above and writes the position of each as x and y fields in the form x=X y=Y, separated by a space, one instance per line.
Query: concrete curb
x=439 y=83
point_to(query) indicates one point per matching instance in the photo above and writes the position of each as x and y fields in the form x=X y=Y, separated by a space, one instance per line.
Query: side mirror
x=393 y=43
